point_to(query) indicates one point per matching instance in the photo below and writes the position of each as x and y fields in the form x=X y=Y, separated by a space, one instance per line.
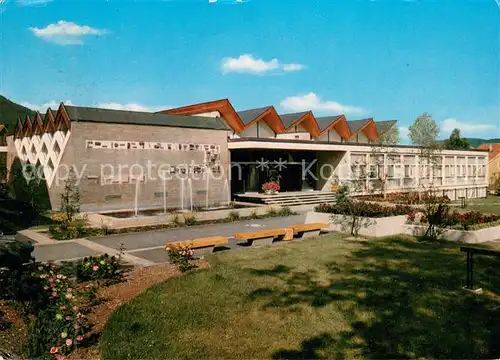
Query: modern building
x=493 y=165
x=205 y=154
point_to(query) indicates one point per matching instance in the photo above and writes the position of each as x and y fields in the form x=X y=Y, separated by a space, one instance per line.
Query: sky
x=390 y=60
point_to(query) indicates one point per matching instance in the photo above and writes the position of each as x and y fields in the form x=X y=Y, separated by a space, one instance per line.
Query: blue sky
x=384 y=59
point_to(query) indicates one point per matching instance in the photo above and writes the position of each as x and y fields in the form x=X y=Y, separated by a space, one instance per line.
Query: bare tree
x=377 y=171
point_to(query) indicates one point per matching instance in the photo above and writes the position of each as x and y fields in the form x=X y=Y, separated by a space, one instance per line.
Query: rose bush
x=181 y=256
x=103 y=267
x=364 y=209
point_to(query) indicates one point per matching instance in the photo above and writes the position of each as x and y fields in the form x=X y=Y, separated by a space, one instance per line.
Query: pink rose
x=68 y=317
x=79 y=338
x=77 y=326
x=69 y=342
x=95 y=268
x=54 y=294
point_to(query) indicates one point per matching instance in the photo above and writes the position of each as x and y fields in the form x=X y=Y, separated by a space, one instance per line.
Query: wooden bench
x=470 y=263
x=308 y=230
x=200 y=246
x=265 y=237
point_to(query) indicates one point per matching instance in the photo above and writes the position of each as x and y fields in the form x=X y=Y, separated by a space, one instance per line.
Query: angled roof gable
x=306 y=119
x=224 y=107
x=366 y=125
x=27 y=128
x=251 y=115
x=337 y=122
x=37 y=124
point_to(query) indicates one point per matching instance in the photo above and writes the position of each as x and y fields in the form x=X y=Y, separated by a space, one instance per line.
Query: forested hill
x=10 y=111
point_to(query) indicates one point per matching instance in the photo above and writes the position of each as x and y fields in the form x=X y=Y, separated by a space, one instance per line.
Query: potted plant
x=271 y=187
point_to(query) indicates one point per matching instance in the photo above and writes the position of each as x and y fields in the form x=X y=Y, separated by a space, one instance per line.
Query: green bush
x=234 y=215
x=364 y=209
x=181 y=257
x=272 y=212
x=286 y=211
x=190 y=220
x=103 y=267
x=254 y=215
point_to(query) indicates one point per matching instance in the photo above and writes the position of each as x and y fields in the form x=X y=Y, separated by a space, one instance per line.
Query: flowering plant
x=102 y=267
x=63 y=323
x=181 y=256
x=271 y=186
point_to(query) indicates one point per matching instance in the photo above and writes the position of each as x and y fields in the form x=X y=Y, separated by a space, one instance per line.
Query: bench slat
x=475 y=250
x=200 y=242
x=309 y=227
x=260 y=234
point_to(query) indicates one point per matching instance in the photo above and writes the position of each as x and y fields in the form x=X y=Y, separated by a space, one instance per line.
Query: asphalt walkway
x=146 y=248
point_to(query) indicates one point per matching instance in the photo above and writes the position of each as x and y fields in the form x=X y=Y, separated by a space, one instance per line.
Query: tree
x=386 y=141
x=390 y=137
x=70 y=198
x=423 y=133
x=455 y=141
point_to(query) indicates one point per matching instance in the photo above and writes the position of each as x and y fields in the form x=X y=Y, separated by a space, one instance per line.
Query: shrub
x=102 y=267
x=234 y=215
x=364 y=209
x=286 y=211
x=175 y=220
x=181 y=257
x=68 y=229
x=271 y=212
x=253 y=214
x=55 y=323
x=190 y=220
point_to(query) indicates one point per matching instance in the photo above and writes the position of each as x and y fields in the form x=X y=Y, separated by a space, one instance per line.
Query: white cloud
x=312 y=102
x=293 y=67
x=54 y=105
x=246 y=63
x=466 y=128
x=66 y=32
x=33 y=2
x=132 y=107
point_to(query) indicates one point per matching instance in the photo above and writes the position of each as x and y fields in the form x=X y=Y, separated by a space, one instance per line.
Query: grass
x=327 y=297
x=489 y=205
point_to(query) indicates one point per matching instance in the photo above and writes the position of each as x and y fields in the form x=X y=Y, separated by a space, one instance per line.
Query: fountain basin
x=151 y=217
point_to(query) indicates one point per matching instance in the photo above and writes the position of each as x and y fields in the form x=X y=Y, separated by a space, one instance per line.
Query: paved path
x=147 y=247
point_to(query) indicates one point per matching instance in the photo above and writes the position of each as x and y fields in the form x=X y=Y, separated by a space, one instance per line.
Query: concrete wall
x=258 y=130
x=329 y=164
x=96 y=194
x=395 y=225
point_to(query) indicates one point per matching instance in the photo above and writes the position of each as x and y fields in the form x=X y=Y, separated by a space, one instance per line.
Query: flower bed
x=403 y=198
x=472 y=220
x=365 y=209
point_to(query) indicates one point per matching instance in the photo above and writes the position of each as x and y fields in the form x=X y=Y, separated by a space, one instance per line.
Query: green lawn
x=491 y=205
x=324 y=297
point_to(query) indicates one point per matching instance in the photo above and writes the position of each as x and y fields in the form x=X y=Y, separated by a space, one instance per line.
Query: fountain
x=227 y=191
x=190 y=184
x=182 y=194
x=136 y=199
x=207 y=187
x=164 y=195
